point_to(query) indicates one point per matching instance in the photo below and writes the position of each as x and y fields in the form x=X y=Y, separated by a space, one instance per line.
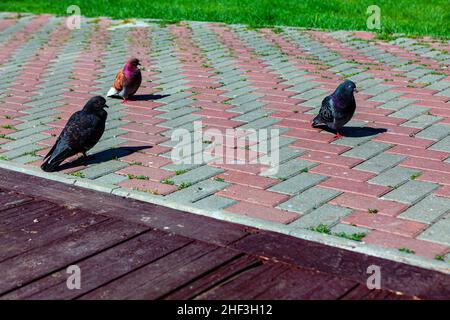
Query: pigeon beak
x=106 y=106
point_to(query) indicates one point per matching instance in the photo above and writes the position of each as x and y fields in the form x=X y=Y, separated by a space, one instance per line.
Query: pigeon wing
x=120 y=80
x=325 y=113
x=134 y=83
x=63 y=147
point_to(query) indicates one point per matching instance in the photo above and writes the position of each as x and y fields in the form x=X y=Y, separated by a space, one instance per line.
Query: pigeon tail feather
x=112 y=92
x=317 y=121
x=52 y=163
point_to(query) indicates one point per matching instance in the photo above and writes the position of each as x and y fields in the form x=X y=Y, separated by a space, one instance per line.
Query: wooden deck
x=128 y=249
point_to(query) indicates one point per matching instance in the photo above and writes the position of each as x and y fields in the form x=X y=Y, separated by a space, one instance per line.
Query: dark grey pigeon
x=82 y=132
x=338 y=108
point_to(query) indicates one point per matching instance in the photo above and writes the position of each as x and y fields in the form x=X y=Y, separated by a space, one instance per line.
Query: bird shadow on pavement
x=143 y=97
x=103 y=156
x=356 y=132
x=148 y=97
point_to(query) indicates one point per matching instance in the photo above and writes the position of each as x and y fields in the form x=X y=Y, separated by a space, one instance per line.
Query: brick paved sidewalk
x=387 y=183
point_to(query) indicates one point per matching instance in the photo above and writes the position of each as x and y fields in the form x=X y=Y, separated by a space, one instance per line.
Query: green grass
x=167 y=181
x=419 y=17
x=415 y=175
x=406 y=250
x=78 y=174
x=184 y=185
x=354 y=236
x=132 y=176
x=322 y=228
x=440 y=257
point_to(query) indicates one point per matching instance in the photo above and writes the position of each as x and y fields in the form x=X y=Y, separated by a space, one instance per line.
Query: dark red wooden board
x=46 y=226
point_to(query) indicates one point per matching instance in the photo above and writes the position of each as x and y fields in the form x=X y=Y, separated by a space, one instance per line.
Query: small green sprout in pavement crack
x=184 y=185
x=439 y=257
x=322 y=228
x=415 y=175
x=140 y=177
x=167 y=181
x=8 y=126
x=354 y=236
x=219 y=179
x=3 y=158
x=3 y=136
x=406 y=250
x=78 y=174
x=178 y=172
x=372 y=211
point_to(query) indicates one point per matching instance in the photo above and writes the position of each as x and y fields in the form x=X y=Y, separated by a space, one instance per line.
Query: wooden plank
x=39 y=262
x=411 y=280
x=9 y=199
x=167 y=274
x=247 y=285
x=216 y=277
x=298 y=283
x=52 y=226
x=179 y=222
x=104 y=267
x=361 y=292
x=26 y=212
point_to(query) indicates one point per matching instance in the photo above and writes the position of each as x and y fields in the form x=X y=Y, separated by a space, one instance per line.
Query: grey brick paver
x=197 y=191
x=442 y=145
x=438 y=232
x=380 y=162
x=213 y=202
x=327 y=214
x=309 y=200
x=367 y=150
x=298 y=183
x=394 y=177
x=411 y=192
x=196 y=175
x=427 y=210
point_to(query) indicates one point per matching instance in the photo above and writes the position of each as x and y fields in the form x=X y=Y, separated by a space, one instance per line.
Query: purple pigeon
x=338 y=108
x=128 y=80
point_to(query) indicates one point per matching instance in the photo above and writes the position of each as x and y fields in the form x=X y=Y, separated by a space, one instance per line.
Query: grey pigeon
x=82 y=132
x=338 y=108
x=128 y=80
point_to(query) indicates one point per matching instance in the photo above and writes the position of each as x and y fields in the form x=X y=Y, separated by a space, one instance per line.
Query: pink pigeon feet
x=124 y=101
x=338 y=136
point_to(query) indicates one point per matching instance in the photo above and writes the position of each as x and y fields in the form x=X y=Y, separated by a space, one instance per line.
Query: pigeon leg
x=338 y=135
x=124 y=101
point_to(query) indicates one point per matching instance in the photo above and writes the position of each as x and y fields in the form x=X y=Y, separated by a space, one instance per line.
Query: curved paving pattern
x=387 y=182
